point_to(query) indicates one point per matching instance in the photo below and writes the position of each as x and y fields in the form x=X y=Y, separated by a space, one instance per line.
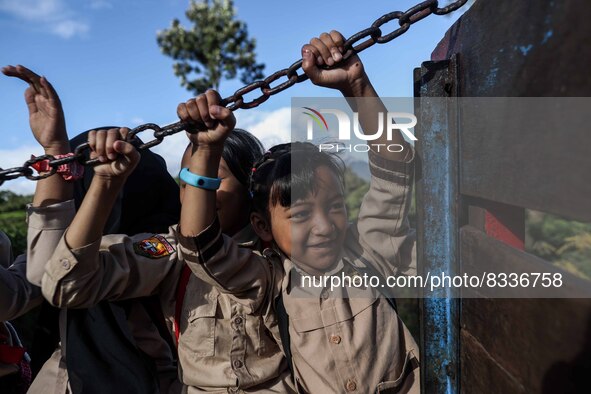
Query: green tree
x=216 y=47
x=565 y=243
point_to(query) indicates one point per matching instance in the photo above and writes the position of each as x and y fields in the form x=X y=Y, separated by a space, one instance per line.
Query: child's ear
x=261 y=226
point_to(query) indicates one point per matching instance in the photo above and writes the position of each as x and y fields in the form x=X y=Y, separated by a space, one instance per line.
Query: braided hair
x=286 y=173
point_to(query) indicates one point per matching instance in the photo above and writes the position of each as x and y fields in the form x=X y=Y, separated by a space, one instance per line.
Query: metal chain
x=356 y=43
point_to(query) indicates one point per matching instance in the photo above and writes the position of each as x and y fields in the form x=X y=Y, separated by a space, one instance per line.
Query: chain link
x=353 y=45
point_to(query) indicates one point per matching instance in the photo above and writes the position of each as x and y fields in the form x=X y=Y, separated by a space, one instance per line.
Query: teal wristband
x=199 y=181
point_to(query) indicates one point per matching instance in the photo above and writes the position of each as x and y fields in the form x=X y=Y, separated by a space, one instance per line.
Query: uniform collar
x=292 y=270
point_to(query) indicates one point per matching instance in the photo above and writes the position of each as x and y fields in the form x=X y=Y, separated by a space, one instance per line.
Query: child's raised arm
x=383 y=235
x=52 y=209
x=48 y=125
x=212 y=256
x=198 y=209
x=352 y=81
x=118 y=159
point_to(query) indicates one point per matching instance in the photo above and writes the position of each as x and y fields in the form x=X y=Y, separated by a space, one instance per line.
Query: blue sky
x=103 y=59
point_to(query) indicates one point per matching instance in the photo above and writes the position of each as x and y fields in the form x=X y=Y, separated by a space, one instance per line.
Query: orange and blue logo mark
x=317 y=117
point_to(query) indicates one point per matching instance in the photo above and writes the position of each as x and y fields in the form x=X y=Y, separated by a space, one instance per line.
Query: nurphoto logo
x=348 y=127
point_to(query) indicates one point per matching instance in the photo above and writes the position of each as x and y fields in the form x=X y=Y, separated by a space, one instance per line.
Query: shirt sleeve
x=220 y=261
x=115 y=267
x=17 y=295
x=46 y=226
x=383 y=235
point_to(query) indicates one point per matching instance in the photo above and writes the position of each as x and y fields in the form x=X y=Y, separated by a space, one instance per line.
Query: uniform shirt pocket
x=199 y=338
x=407 y=382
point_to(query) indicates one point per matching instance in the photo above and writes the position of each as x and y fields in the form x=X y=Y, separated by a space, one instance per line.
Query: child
x=224 y=345
x=350 y=340
x=17 y=296
x=49 y=214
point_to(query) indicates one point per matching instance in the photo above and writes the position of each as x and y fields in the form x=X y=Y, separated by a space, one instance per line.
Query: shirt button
x=351 y=385
x=238 y=321
x=237 y=364
x=324 y=294
x=335 y=339
x=66 y=264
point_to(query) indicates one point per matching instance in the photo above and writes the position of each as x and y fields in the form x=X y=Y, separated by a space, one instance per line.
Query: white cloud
x=69 y=28
x=33 y=10
x=271 y=127
x=53 y=16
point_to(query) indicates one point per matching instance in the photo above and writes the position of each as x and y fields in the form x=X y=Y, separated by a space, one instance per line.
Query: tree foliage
x=565 y=243
x=12 y=219
x=216 y=47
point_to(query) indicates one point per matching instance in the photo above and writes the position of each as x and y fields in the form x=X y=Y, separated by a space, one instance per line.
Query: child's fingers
x=30 y=99
x=92 y=143
x=126 y=149
x=224 y=115
x=24 y=74
x=32 y=78
x=309 y=62
x=112 y=137
x=332 y=46
x=315 y=52
x=9 y=71
x=324 y=52
x=203 y=107
x=338 y=39
x=339 y=45
x=101 y=139
x=193 y=109
x=51 y=93
x=182 y=112
x=213 y=99
x=124 y=132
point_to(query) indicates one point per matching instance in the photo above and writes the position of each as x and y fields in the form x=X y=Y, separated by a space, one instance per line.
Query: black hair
x=286 y=173
x=241 y=151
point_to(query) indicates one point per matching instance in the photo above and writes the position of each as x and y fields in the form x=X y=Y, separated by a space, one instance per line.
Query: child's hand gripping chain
x=199 y=204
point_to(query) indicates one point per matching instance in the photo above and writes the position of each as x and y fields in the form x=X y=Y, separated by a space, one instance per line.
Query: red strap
x=11 y=354
x=70 y=171
x=180 y=299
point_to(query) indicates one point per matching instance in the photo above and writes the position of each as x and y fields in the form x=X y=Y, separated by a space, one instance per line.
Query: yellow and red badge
x=154 y=247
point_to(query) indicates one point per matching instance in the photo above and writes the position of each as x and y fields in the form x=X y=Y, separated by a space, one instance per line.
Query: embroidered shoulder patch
x=154 y=247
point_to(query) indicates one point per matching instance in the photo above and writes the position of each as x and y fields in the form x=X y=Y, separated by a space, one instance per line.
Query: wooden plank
x=479 y=370
x=545 y=344
x=482 y=255
x=524 y=49
x=531 y=153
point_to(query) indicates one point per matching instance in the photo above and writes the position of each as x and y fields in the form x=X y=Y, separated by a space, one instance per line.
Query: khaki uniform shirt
x=225 y=345
x=17 y=295
x=348 y=340
x=46 y=226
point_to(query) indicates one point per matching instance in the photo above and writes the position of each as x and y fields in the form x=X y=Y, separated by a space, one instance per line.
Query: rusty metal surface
x=527 y=48
x=438 y=222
